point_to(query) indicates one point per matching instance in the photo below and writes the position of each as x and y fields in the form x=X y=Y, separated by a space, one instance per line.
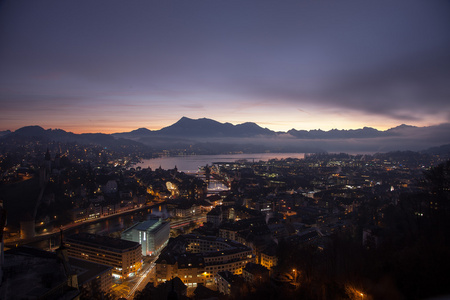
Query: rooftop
x=31 y=273
x=146 y=225
x=103 y=242
x=255 y=268
x=87 y=270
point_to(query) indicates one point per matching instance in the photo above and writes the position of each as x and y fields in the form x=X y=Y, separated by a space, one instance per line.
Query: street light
x=295 y=274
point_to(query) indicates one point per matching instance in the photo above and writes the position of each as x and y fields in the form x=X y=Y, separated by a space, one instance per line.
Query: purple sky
x=112 y=66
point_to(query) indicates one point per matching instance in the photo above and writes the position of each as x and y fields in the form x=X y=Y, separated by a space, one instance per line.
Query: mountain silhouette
x=366 y=132
x=210 y=128
x=37 y=133
x=210 y=136
x=186 y=127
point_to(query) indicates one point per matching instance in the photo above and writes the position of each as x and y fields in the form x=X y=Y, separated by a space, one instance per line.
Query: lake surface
x=191 y=163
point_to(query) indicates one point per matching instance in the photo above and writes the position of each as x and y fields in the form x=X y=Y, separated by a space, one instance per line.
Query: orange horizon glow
x=108 y=129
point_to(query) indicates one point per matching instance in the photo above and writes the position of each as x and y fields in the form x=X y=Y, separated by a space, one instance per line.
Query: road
x=128 y=287
x=176 y=223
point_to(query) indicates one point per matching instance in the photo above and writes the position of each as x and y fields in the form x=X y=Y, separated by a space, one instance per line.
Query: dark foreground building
x=30 y=273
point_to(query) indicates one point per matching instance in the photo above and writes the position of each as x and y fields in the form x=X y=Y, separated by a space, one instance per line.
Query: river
x=191 y=163
x=113 y=225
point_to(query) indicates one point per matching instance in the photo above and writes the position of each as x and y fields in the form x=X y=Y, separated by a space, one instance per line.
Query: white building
x=153 y=235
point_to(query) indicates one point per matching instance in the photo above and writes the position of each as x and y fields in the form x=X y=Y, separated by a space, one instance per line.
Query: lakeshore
x=191 y=163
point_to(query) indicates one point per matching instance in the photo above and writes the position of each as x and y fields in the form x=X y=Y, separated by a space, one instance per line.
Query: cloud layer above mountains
x=110 y=66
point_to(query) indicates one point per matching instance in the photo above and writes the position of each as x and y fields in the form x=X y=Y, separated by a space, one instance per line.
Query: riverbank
x=15 y=242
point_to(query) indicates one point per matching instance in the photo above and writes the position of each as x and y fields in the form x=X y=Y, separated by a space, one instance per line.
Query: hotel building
x=153 y=235
x=124 y=256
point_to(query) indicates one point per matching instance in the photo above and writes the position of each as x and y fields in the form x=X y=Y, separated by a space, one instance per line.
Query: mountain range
x=225 y=137
x=186 y=127
x=207 y=128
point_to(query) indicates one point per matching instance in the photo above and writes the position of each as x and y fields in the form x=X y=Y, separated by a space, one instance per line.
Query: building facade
x=197 y=259
x=269 y=258
x=153 y=235
x=124 y=256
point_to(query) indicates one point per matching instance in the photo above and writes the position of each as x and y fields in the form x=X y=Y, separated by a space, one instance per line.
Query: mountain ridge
x=186 y=127
x=203 y=134
x=204 y=127
x=185 y=124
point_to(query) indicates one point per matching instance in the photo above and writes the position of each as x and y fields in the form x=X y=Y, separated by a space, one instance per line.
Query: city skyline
x=111 y=66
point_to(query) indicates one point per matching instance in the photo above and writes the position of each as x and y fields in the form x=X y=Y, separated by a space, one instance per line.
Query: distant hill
x=366 y=132
x=210 y=128
x=440 y=150
x=186 y=127
x=6 y=132
x=206 y=136
x=37 y=133
x=207 y=128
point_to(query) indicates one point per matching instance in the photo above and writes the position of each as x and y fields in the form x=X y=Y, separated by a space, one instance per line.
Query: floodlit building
x=269 y=258
x=124 y=256
x=153 y=235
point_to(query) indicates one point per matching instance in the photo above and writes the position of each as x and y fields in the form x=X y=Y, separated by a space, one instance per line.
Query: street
x=126 y=288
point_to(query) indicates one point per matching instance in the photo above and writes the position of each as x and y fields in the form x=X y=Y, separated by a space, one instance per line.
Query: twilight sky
x=111 y=66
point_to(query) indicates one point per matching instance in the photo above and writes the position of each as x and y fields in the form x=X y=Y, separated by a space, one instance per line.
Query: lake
x=191 y=163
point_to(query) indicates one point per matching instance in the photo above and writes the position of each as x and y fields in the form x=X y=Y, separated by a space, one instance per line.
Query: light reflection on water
x=191 y=163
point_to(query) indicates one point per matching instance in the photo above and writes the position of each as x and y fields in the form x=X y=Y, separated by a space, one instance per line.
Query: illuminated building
x=124 y=256
x=269 y=258
x=198 y=259
x=187 y=209
x=153 y=235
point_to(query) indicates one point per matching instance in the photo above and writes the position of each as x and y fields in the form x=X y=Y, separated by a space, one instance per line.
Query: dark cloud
x=405 y=90
x=389 y=58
